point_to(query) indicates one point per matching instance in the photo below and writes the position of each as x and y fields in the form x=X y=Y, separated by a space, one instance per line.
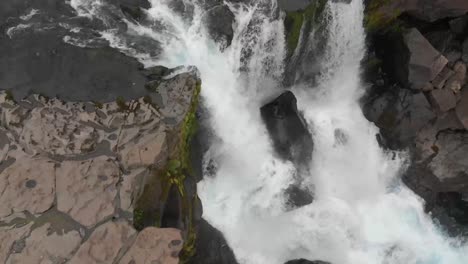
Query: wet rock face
x=219 y=21
x=43 y=52
x=212 y=248
x=303 y=261
x=426 y=10
x=288 y=131
x=293 y=5
x=426 y=113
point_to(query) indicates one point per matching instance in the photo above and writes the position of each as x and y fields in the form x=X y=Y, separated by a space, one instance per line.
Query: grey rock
x=303 y=261
x=459 y=25
x=211 y=246
x=288 y=131
x=450 y=165
x=400 y=115
x=425 y=61
x=219 y=21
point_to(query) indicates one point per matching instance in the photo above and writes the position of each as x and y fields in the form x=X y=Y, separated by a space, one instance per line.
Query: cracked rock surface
x=71 y=172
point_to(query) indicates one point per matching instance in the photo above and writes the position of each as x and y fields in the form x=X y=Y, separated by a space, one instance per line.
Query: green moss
x=98 y=105
x=9 y=96
x=147 y=100
x=121 y=104
x=376 y=19
x=294 y=22
x=147 y=210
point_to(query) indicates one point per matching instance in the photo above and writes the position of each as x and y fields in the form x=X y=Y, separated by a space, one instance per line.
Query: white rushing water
x=362 y=214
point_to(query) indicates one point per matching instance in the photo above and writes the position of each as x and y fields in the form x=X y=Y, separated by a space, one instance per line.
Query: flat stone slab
x=42 y=247
x=86 y=190
x=105 y=243
x=155 y=245
x=28 y=185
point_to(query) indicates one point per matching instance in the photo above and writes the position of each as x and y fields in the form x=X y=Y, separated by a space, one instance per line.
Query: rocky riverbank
x=417 y=66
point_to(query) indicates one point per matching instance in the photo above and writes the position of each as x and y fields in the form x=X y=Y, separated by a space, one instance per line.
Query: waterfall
x=362 y=213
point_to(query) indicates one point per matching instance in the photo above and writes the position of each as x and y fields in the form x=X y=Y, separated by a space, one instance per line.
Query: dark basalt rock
x=304 y=261
x=172 y=213
x=219 y=21
x=400 y=114
x=288 y=131
x=455 y=204
x=294 y=5
x=298 y=197
x=37 y=60
x=211 y=247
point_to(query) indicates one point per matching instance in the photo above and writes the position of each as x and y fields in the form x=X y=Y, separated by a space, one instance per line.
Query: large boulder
x=425 y=62
x=400 y=114
x=288 y=131
x=211 y=246
x=410 y=59
x=304 y=261
x=219 y=21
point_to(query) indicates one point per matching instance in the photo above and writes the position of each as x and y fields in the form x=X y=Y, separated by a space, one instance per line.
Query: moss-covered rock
x=296 y=20
x=380 y=15
x=157 y=198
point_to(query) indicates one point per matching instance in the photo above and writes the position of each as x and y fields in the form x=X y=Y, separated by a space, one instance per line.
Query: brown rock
x=105 y=243
x=8 y=236
x=86 y=190
x=454 y=86
x=155 y=245
x=28 y=185
x=42 y=247
x=442 y=77
x=146 y=151
x=132 y=187
x=443 y=99
x=425 y=61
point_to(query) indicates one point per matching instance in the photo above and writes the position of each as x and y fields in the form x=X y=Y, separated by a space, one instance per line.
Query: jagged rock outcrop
x=303 y=261
x=211 y=247
x=288 y=130
x=427 y=10
x=426 y=113
x=219 y=20
x=425 y=62
x=291 y=140
x=72 y=174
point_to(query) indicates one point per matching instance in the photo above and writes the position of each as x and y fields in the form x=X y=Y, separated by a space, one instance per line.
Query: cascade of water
x=362 y=214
